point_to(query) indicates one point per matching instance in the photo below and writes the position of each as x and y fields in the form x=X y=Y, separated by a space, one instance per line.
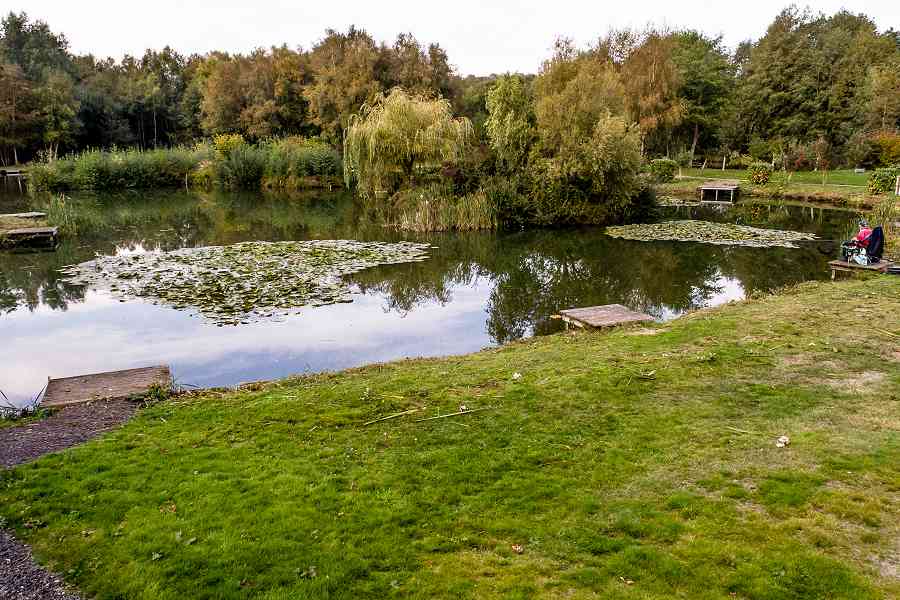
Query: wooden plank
x=843 y=265
x=31 y=232
x=24 y=215
x=105 y=386
x=609 y=315
x=725 y=185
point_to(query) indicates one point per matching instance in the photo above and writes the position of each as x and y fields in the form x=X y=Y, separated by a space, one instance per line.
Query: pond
x=474 y=290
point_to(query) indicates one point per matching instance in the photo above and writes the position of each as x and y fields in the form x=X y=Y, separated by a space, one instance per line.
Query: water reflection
x=477 y=289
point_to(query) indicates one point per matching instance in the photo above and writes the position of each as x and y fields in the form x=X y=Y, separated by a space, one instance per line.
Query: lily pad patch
x=708 y=232
x=242 y=282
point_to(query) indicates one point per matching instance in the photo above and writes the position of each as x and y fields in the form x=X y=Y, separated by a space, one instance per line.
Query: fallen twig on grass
x=886 y=332
x=456 y=414
x=393 y=416
x=742 y=430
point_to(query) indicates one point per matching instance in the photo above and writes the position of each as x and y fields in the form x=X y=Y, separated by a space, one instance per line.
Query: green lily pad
x=243 y=282
x=707 y=232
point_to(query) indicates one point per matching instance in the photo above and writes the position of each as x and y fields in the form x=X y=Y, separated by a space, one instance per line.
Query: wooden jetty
x=29 y=237
x=598 y=317
x=24 y=215
x=848 y=267
x=717 y=187
x=113 y=385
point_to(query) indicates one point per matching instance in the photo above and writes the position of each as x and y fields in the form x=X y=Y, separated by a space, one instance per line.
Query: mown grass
x=839 y=177
x=830 y=194
x=633 y=464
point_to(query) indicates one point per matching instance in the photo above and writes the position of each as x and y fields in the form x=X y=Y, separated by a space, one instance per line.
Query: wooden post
x=897 y=186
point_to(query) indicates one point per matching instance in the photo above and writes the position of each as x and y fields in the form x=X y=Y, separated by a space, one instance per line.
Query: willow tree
x=393 y=134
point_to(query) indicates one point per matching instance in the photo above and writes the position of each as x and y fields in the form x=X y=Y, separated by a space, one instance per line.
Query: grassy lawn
x=836 y=195
x=841 y=177
x=633 y=464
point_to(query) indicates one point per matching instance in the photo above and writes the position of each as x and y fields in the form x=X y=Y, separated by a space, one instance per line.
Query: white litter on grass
x=517 y=376
x=782 y=441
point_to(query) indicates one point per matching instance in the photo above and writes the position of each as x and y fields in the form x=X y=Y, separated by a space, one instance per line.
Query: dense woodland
x=814 y=89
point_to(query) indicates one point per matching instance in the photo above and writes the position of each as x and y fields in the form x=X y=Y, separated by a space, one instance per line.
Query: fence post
x=897 y=186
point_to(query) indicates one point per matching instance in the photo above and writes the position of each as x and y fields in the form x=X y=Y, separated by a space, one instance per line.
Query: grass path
x=633 y=464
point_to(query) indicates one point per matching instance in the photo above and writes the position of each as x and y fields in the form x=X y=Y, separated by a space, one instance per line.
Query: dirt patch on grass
x=644 y=331
x=797 y=360
x=863 y=382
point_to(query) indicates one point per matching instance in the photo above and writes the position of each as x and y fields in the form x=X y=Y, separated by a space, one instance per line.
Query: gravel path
x=20 y=577
x=69 y=427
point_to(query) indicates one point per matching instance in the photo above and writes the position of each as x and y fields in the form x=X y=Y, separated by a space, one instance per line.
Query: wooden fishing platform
x=599 y=317
x=24 y=215
x=32 y=237
x=848 y=267
x=113 y=385
x=715 y=187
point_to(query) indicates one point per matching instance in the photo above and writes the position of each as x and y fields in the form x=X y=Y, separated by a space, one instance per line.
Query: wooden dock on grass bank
x=848 y=267
x=727 y=188
x=113 y=385
x=599 y=317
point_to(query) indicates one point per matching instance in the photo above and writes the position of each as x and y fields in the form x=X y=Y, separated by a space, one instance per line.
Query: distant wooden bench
x=599 y=317
x=848 y=267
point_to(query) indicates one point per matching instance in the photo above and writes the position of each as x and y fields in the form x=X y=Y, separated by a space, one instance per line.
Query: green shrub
x=883 y=181
x=663 y=170
x=888 y=144
x=291 y=162
x=225 y=143
x=118 y=169
x=243 y=167
x=759 y=173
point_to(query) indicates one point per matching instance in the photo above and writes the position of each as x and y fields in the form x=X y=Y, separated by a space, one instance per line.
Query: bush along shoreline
x=228 y=161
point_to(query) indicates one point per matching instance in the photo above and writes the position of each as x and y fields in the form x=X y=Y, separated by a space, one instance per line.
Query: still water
x=475 y=290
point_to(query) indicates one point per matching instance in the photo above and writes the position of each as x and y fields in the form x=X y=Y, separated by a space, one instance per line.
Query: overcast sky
x=480 y=37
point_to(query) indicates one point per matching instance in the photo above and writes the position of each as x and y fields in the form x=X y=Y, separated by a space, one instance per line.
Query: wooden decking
x=24 y=215
x=105 y=386
x=32 y=237
x=609 y=315
x=727 y=188
x=848 y=267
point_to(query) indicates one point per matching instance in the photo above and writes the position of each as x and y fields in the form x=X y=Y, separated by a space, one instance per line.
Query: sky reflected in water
x=476 y=290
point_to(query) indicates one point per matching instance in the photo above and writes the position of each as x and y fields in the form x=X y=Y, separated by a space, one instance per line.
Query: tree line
x=815 y=91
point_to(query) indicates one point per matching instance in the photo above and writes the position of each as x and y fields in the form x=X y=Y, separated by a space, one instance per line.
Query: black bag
x=875 y=249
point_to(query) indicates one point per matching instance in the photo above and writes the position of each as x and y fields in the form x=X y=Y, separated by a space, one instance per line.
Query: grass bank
x=842 y=188
x=633 y=464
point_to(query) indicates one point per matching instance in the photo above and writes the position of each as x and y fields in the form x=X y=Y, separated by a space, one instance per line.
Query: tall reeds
x=289 y=164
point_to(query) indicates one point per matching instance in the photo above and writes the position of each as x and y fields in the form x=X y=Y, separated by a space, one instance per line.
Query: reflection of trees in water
x=535 y=274
x=110 y=223
x=32 y=280
x=532 y=274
